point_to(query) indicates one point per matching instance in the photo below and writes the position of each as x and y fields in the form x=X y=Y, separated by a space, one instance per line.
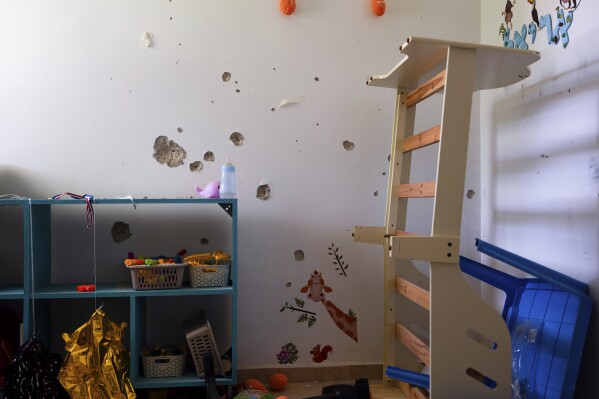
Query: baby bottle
x=227 y=180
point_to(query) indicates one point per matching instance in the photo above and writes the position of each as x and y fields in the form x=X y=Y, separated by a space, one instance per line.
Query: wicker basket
x=164 y=366
x=157 y=277
x=201 y=342
x=209 y=275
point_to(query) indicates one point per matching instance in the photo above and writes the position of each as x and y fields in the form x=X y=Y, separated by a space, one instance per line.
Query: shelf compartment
x=188 y=379
x=123 y=290
x=12 y=292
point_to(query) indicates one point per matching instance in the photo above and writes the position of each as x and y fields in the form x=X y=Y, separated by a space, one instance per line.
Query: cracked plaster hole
x=209 y=156
x=237 y=139
x=470 y=194
x=348 y=145
x=196 y=166
x=120 y=232
x=204 y=241
x=299 y=255
x=263 y=192
x=169 y=153
x=226 y=76
x=180 y=129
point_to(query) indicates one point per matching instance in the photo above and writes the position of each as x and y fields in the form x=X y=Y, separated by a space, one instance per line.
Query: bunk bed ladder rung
x=417 y=190
x=414 y=293
x=430 y=87
x=411 y=391
x=422 y=139
x=413 y=343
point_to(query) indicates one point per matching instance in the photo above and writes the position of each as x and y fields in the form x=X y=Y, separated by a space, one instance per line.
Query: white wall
x=82 y=102
x=541 y=154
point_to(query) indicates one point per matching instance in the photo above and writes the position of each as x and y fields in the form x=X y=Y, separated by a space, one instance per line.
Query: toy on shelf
x=209 y=269
x=156 y=260
x=163 y=361
x=159 y=272
x=86 y=288
x=210 y=190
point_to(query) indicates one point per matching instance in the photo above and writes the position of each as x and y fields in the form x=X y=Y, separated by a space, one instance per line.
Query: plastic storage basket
x=201 y=342
x=157 y=277
x=163 y=366
x=209 y=275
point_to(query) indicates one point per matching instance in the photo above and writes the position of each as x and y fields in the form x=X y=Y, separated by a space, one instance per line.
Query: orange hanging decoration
x=287 y=6
x=378 y=7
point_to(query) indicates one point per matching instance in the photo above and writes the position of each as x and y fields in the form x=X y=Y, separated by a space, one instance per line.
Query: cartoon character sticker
x=556 y=33
x=316 y=289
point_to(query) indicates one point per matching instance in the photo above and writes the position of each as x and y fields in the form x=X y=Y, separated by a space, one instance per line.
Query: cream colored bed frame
x=468 y=339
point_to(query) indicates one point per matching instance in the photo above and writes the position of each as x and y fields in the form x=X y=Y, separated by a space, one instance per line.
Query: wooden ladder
x=468 y=351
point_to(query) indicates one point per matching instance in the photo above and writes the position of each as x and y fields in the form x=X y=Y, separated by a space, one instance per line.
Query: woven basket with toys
x=212 y=269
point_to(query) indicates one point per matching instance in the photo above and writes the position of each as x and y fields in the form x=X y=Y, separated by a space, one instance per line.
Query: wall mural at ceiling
x=554 y=17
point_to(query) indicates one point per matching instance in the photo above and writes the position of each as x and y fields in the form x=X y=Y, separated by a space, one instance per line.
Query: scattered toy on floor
x=278 y=381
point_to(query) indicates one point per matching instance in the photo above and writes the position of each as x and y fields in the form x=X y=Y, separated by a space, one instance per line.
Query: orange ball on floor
x=278 y=381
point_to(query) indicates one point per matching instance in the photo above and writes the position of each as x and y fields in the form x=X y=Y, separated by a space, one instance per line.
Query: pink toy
x=210 y=191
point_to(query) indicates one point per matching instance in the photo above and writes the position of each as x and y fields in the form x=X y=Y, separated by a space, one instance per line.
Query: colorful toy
x=278 y=381
x=378 y=7
x=254 y=384
x=210 y=190
x=253 y=394
x=287 y=6
x=156 y=260
x=86 y=288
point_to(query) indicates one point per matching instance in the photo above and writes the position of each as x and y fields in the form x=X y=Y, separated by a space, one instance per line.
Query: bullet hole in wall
x=348 y=145
x=376 y=193
x=470 y=194
x=299 y=255
x=263 y=192
x=272 y=109
x=120 y=232
x=316 y=79
x=237 y=91
x=209 y=156
x=288 y=285
x=196 y=166
x=389 y=158
x=237 y=139
x=204 y=241
x=544 y=156
x=180 y=129
x=384 y=173
x=226 y=76
x=169 y=153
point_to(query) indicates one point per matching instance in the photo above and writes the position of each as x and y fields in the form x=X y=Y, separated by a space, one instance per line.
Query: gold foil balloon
x=97 y=362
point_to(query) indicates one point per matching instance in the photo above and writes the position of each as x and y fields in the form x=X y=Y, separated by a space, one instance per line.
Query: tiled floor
x=301 y=390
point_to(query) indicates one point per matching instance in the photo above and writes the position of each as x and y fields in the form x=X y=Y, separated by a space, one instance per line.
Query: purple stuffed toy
x=210 y=191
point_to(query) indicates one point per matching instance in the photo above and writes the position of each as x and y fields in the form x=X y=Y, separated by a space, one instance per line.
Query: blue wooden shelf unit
x=37 y=282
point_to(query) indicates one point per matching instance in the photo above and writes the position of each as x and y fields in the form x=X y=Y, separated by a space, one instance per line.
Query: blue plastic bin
x=557 y=309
